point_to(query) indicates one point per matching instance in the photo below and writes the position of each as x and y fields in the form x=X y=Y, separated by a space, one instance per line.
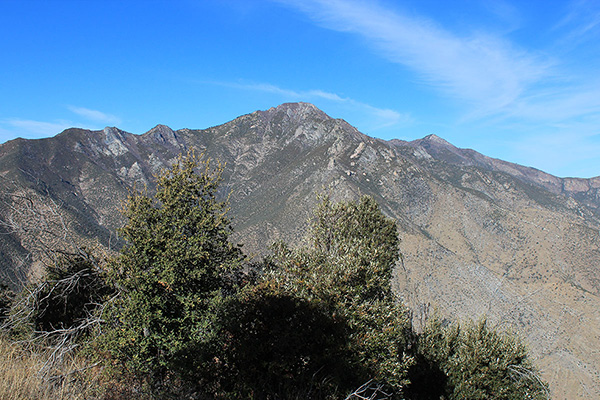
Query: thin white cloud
x=378 y=117
x=559 y=104
x=95 y=115
x=486 y=71
x=34 y=129
x=269 y=88
x=582 y=21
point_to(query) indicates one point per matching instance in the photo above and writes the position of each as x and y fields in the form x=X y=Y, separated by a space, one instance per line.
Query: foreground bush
x=346 y=270
x=170 y=277
x=275 y=345
x=473 y=361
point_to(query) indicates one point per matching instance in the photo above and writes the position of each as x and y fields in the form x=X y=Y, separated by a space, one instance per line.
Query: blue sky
x=514 y=80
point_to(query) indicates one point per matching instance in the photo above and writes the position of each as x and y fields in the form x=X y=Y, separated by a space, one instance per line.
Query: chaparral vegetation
x=181 y=313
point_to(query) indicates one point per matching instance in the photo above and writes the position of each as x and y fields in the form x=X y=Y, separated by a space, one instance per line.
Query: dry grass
x=20 y=378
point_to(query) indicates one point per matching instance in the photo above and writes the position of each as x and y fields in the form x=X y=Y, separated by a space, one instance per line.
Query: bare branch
x=520 y=372
x=39 y=222
x=371 y=390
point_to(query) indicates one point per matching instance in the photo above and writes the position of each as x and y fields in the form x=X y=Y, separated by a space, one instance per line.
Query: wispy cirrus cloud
x=488 y=72
x=378 y=117
x=95 y=115
x=493 y=76
x=269 y=88
x=581 y=22
x=557 y=104
x=34 y=129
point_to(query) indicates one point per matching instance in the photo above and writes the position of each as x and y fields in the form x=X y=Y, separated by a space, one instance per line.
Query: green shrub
x=473 y=362
x=347 y=271
x=170 y=275
x=276 y=345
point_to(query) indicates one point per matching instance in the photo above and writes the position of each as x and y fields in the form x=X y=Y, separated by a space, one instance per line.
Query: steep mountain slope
x=479 y=236
x=587 y=191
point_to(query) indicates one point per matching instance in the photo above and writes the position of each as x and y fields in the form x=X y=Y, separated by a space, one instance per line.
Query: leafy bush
x=473 y=362
x=347 y=271
x=276 y=345
x=360 y=243
x=170 y=275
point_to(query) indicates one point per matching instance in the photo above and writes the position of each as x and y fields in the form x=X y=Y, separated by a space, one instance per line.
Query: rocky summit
x=480 y=237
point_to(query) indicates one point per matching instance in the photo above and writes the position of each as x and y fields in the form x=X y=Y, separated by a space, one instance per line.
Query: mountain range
x=480 y=237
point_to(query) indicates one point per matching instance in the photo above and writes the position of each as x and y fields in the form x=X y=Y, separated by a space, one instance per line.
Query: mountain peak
x=111 y=130
x=297 y=106
x=298 y=111
x=161 y=128
x=437 y=140
x=162 y=134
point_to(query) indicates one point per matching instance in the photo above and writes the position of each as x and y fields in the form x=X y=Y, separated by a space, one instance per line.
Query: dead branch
x=520 y=372
x=370 y=390
x=39 y=222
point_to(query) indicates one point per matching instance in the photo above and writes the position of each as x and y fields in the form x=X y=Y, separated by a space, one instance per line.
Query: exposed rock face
x=480 y=236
